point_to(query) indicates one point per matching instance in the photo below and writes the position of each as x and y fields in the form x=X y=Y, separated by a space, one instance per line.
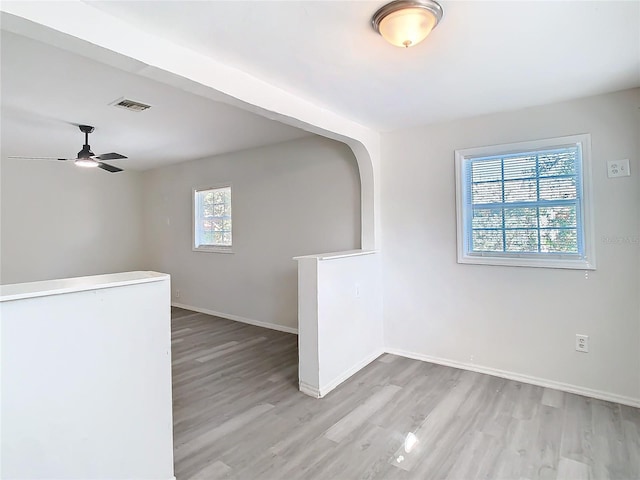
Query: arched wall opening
x=60 y=25
x=339 y=294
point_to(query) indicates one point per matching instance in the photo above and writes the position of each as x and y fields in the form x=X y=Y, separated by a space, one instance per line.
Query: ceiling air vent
x=131 y=105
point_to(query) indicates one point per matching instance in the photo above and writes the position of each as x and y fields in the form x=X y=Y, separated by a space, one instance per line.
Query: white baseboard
x=324 y=389
x=542 y=382
x=237 y=318
x=309 y=390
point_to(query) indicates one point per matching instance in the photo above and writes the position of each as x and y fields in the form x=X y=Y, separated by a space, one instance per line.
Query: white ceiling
x=46 y=91
x=484 y=56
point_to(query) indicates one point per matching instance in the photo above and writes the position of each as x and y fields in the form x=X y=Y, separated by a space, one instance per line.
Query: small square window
x=526 y=204
x=212 y=219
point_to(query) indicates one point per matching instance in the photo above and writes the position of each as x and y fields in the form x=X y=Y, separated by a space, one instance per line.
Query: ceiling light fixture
x=405 y=23
x=85 y=155
x=86 y=162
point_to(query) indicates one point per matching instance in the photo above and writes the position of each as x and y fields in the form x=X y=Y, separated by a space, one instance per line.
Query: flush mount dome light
x=405 y=23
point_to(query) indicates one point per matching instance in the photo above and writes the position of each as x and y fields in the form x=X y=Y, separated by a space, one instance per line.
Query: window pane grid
x=504 y=231
x=535 y=177
x=213 y=218
x=523 y=228
x=538 y=199
x=534 y=195
x=541 y=203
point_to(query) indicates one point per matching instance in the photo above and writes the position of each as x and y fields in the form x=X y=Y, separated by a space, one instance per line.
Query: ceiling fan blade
x=110 y=156
x=41 y=158
x=109 y=168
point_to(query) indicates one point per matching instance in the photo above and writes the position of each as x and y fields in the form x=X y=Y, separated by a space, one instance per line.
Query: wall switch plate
x=582 y=343
x=618 y=168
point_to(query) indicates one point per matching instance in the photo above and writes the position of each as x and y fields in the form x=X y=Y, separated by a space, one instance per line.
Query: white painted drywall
x=514 y=319
x=58 y=220
x=350 y=327
x=290 y=199
x=308 y=360
x=340 y=307
x=86 y=380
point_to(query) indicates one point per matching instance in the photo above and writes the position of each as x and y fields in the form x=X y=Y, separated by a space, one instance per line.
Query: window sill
x=522 y=261
x=212 y=249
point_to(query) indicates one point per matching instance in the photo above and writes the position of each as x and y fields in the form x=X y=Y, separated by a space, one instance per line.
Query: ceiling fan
x=86 y=158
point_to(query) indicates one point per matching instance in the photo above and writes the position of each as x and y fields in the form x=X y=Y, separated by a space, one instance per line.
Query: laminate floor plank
x=578 y=430
x=611 y=455
x=360 y=414
x=213 y=471
x=200 y=353
x=574 y=470
x=191 y=454
x=228 y=348
x=438 y=423
x=476 y=458
x=552 y=398
x=500 y=414
x=238 y=415
x=511 y=462
x=529 y=401
x=414 y=402
x=387 y=358
x=364 y=451
x=542 y=462
x=446 y=442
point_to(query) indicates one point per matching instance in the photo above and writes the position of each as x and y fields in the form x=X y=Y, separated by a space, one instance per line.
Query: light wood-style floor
x=238 y=415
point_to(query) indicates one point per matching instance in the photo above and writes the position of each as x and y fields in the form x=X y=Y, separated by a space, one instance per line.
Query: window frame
x=584 y=222
x=194 y=222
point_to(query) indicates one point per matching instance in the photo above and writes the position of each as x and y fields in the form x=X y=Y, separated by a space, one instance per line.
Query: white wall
x=340 y=315
x=350 y=329
x=290 y=199
x=514 y=320
x=86 y=379
x=58 y=220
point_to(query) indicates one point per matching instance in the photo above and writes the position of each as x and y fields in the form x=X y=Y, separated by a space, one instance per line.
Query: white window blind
x=526 y=204
x=212 y=218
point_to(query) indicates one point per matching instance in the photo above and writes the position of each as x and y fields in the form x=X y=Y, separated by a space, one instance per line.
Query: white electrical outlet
x=618 y=168
x=177 y=293
x=582 y=343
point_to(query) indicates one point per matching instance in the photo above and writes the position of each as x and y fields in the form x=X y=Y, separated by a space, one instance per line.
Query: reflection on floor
x=238 y=414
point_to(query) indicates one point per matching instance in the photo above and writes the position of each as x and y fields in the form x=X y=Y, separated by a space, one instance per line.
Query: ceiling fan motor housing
x=85 y=152
x=86 y=148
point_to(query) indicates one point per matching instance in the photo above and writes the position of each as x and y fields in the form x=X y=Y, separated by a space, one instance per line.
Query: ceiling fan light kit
x=405 y=23
x=86 y=162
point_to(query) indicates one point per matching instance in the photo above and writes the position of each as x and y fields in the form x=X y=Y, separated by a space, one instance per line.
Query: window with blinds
x=524 y=204
x=212 y=219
